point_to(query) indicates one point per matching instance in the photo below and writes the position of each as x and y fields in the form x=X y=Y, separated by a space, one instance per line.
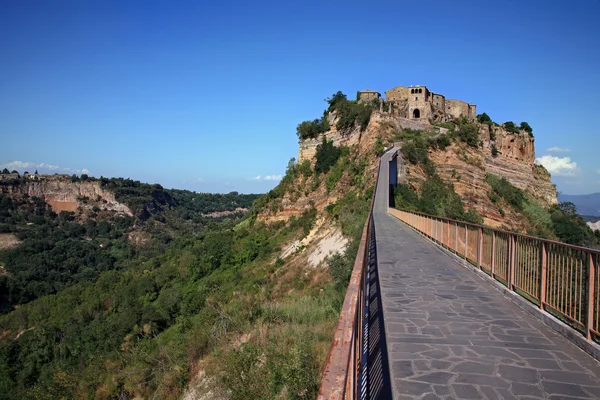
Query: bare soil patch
x=8 y=241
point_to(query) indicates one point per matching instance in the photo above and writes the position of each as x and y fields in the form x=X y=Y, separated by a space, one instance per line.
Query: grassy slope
x=219 y=301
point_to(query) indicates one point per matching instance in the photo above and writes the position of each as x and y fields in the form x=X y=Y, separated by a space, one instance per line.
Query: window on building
x=416 y=113
x=416 y=98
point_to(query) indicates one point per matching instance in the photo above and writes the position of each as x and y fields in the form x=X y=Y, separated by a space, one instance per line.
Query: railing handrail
x=565 y=283
x=335 y=382
x=523 y=235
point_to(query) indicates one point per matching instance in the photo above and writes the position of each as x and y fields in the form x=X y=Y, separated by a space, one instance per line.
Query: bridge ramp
x=451 y=335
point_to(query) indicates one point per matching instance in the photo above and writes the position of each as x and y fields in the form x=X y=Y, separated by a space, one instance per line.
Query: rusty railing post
x=543 y=275
x=456 y=237
x=511 y=260
x=591 y=297
x=493 y=266
x=480 y=248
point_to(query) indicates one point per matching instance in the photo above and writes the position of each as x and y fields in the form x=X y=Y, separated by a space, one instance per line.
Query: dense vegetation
x=509 y=125
x=436 y=197
x=560 y=222
x=349 y=113
x=131 y=321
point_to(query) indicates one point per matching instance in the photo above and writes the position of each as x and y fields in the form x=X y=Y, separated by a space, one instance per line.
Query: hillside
x=142 y=304
x=167 y=302
x=587 y=204
x=462 y=159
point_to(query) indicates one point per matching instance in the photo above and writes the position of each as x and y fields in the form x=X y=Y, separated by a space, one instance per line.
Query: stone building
x=417 y=102
x=368 y=95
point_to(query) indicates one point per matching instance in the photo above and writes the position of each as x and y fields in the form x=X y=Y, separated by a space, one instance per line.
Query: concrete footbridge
x=442 y=309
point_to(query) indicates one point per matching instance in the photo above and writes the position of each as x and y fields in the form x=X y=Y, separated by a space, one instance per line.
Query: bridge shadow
x=377 y=385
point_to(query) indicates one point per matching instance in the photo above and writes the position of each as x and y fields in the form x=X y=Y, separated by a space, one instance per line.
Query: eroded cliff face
x=463 y=166
x=466 y=168
x=64 y=195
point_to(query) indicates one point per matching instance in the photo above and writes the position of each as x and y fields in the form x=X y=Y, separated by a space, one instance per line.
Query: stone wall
x=368 y=95
x=456 y=108
x=397 y=93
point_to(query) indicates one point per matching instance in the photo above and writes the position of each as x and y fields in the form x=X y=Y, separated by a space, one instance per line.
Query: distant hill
x=587 y=204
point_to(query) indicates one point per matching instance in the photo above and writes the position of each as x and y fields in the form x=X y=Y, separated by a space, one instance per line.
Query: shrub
x=511 y=127
x=484 y=118
x=492 y=133
x=525 y=127
x=349 y=113
x=334 y=175
x=469 y=134
x=304 y=168
x=312 y=129
x=378 y=147
x=327 y=155
x=442 y=142
x=416 y=151
x=495 y=151
x=335 y=100
x=503 y=188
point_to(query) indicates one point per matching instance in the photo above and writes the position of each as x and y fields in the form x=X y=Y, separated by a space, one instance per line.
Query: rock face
x=466 y=168
x=64 y=195
x=463 y=166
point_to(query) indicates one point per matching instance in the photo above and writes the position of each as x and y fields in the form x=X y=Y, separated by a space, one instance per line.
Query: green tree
x=327 y=155
x=5 y=171
x=511 y=127
x=484 y=118
x=525 y=127
x=335 y=100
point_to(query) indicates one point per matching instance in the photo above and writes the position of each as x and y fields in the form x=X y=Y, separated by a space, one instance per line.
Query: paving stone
x=564 y=389
x=518 y=374
x=483 y=380
x=466 y=392
x=435 y=377
x=521 y=389
x=474 y=368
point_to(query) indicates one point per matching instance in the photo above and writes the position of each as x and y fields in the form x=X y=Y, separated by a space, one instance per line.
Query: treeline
x=146 y=200
x=58 y=251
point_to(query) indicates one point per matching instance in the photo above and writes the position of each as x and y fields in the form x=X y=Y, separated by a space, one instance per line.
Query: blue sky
x=206 y=95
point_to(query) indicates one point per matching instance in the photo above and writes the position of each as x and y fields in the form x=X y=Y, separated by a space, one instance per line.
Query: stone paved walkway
x=451 y=335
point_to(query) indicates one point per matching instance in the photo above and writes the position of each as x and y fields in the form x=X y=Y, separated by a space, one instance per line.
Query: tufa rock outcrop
x=462 y=165
x=64 y=195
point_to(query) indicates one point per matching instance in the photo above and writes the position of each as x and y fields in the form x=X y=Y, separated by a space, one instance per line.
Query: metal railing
x=559 y=278
x=341 y=374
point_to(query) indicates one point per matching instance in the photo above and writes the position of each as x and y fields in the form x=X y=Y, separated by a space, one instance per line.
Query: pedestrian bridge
x=440 y=309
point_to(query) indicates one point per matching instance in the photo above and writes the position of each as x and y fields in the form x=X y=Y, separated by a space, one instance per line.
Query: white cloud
x=558 y=166
x=200 y=179
x=23 y=166
x=558 y=150
x=266 y=178
x=598 y=171
x=47 y=166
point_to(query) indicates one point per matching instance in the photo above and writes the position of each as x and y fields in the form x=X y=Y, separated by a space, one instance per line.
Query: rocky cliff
x=462 y=165
x=466 y=168
x=64 y=195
